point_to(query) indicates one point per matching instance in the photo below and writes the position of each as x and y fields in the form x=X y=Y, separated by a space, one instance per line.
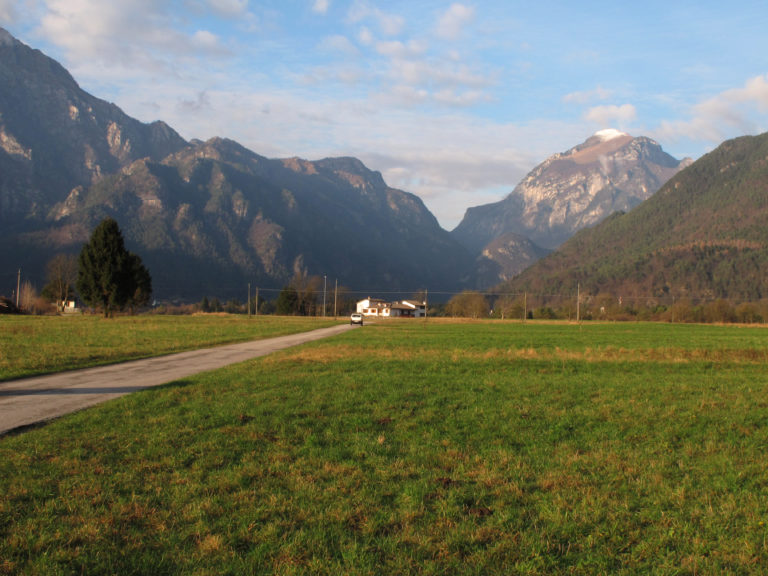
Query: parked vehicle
x=356 y=318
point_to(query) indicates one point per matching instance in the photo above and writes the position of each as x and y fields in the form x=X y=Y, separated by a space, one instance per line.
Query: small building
x=68 y=307
x=408 y=309
x=378 y=308
x=373 y=307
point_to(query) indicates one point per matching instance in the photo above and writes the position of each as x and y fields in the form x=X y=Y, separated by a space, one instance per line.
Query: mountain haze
x=704 y=234
x=206 y=217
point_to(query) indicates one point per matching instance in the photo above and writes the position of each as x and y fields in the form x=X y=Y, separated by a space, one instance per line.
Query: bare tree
x=62 y=275
x=468 y=304
x=27 y=296
x=307 y=288
x=511 y=306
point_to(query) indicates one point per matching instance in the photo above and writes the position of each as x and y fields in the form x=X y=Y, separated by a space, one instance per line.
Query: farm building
x=378 y=308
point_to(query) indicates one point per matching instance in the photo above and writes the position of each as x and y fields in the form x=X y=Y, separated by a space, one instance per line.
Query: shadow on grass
x=68 y=391
x=88 y=390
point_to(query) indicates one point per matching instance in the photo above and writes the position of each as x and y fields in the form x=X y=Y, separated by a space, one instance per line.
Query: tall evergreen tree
x=109 y=276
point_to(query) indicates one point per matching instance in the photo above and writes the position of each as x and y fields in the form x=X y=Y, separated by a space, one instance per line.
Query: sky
x=453 y=101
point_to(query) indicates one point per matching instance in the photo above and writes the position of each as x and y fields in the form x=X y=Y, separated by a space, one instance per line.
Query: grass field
x=415 y=448
x=40 y=344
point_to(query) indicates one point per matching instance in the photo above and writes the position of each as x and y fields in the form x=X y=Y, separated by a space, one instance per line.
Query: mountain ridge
x=76 y=138
x=206 y=217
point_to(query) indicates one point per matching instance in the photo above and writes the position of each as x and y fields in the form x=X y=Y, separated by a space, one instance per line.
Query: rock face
x=215 y=215
x=505 y=257
x=610 y=172
x=56 y=138
x=207 y=218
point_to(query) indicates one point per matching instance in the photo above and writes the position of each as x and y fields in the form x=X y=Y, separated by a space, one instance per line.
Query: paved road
x=32 y=400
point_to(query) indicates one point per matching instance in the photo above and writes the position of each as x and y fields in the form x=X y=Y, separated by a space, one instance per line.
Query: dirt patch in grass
x=330 y=354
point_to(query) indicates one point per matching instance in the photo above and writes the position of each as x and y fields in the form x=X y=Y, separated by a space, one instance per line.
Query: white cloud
x=436 y=74
x=728 y=114
x=585 y=97
x=132 y=39
x=8 y=11
x=206 y=40
x=452 y=22
x=400 y=50
x=321 y=6
x=402 y=95
x=612 y=115
x=389 y=24
x=229 y=8
x=364 y=36
x=339 y=43
x=456 y=98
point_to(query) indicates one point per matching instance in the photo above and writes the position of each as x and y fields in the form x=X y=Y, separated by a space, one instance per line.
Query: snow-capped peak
x=609 y=134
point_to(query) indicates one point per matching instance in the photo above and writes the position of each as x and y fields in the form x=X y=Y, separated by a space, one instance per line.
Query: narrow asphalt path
x=33 y=400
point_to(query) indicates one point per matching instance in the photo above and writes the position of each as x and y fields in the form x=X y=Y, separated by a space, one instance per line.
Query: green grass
x=32 y=345
x=415 y=448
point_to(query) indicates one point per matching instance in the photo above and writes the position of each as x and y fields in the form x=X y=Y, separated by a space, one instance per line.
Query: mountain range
x=209 y=217
x=206 y=217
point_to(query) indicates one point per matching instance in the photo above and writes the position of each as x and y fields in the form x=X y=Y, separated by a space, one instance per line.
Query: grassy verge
x=415 y=448
x=37 y=344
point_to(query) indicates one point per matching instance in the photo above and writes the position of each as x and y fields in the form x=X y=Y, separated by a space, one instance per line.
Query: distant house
x=68 y=307
x=378 y=308
x=373 y=307
x=408 y=309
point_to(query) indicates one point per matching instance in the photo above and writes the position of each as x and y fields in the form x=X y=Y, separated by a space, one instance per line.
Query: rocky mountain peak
x=602 y=143
x=610 y=171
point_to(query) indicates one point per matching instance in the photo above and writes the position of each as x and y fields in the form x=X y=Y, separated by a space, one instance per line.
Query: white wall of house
x=378 y=308
x=373 y=307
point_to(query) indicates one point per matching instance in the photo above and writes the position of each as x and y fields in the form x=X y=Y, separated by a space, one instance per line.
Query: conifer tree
x=109 y=276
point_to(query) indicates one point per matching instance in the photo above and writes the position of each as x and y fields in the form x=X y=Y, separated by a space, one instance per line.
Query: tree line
x=110 y=278
x=603 y=306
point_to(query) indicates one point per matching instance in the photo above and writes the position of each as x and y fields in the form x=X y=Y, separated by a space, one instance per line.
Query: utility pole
x=257 y=300
x=325 y=282
x=525 y=306
x=18 y=285
x=249 y=299
x=578 y=302
x=335 y=298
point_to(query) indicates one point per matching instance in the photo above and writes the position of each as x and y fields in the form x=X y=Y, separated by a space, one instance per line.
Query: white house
x=378 y=308
x=408 y=309
x=68 y=307
x=375 y=307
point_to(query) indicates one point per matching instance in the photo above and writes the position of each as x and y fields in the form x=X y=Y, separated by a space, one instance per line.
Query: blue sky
x=453 y=101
